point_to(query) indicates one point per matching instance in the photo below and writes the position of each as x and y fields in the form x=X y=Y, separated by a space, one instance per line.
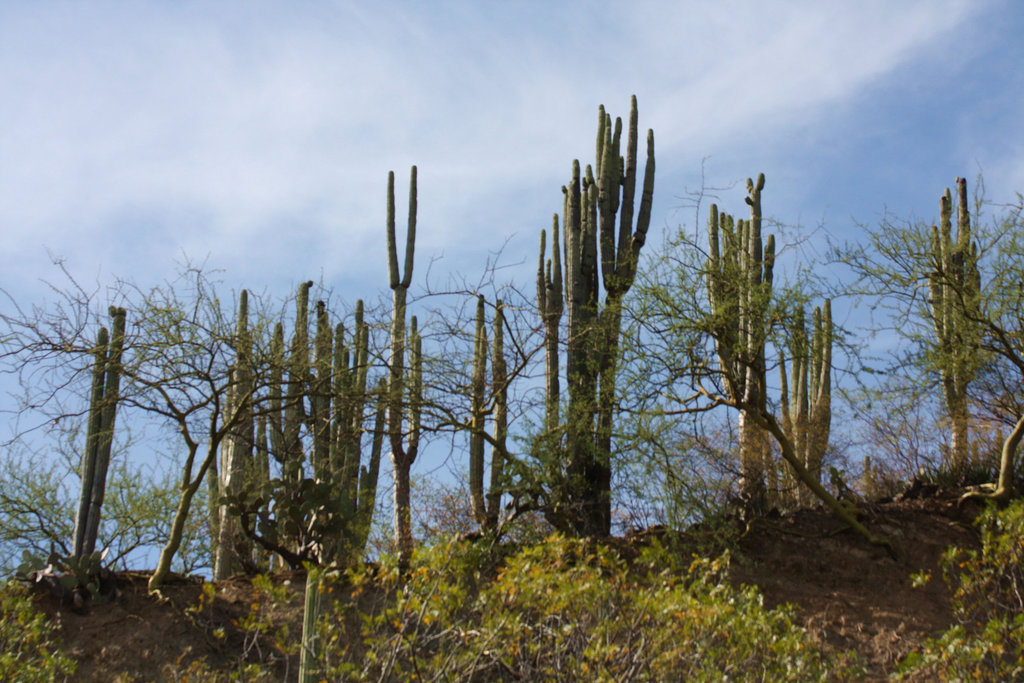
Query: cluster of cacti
x=103 y=398
x=602 y=246
x=807 y=407
x=324 y=499
x=739 y=284
x=954 y=285
x=486 y=508
x=336 y=448
x=405 y=382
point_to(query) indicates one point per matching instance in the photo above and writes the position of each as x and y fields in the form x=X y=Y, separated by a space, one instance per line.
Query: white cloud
x=262 y=134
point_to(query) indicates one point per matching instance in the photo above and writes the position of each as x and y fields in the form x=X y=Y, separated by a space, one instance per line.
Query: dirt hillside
x=850 y=594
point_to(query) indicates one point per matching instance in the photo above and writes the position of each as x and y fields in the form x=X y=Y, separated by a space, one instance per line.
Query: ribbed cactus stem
x=550 y=307
x=739 y=279
x=261 y=476
x=92 y=440
x=298 y=379
x=275 y=398
x=499 y=378
x=321 y=394
x=477 y=416
x=404 y=398
x=954 y=283
x=105 y=435
x=237 y=445
x=602 y=246
x=368 y=474
x=807 y=412
x=309 y=659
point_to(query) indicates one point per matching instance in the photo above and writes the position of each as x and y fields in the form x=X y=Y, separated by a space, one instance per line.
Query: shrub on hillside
x=28 y=651
x=568 y=609
x=988 y=602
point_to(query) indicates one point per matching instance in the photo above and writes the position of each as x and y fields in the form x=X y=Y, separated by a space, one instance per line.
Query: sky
x=256 y=137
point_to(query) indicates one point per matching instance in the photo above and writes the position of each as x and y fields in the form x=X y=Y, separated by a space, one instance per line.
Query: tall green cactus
x=954 y=284
x=477 y=417
x=486 y=507
x=309 y=657
x=739 y=282
x=311 y=421
x=405 y=383
x=597 y=252
x=103 y=401
x=236 y=462
x=295 y=398
x=550 y=308
x=499 y=378
x=338 y=430
x=807 y=412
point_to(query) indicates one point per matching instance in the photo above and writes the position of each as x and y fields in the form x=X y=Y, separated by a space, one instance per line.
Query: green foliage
x=72 y=573
x=267 y=644
x=37 y=509
x=568 y=609
x=988 y=601
x=990 y=581
x=28 y=651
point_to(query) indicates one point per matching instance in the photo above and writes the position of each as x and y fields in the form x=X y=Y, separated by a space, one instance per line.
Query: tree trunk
x=163 y=565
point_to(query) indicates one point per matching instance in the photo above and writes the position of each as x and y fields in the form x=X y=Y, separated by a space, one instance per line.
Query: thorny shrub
x=28 y=651
x=988 y=603
x=569 y=609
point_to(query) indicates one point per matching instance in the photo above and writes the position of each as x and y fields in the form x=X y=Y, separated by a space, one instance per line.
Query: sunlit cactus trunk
x=739 y=274
x=954 y=285
x=499 y=379
x=103 y=401
x=236 y=462
x=807 y=401
x=601 y=248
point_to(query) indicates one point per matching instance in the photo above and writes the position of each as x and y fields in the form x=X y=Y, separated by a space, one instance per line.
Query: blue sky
x=257 y=136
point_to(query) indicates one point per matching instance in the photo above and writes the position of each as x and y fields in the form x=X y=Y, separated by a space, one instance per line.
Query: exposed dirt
x=854 y=595
x=851 y=594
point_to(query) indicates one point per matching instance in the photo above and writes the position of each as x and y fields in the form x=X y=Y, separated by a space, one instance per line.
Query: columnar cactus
x=309 y=657
x=236 y=451
x=486 y=507
x=478 y=416
x=739 y=282
x=597 y=252
x=312 y=423
x=106 y=378
x=295 y=413
x=954 y=284
x=807 y=411
x=337 y=401
x=499 y=378
x=404 y=397
x=550 y=308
